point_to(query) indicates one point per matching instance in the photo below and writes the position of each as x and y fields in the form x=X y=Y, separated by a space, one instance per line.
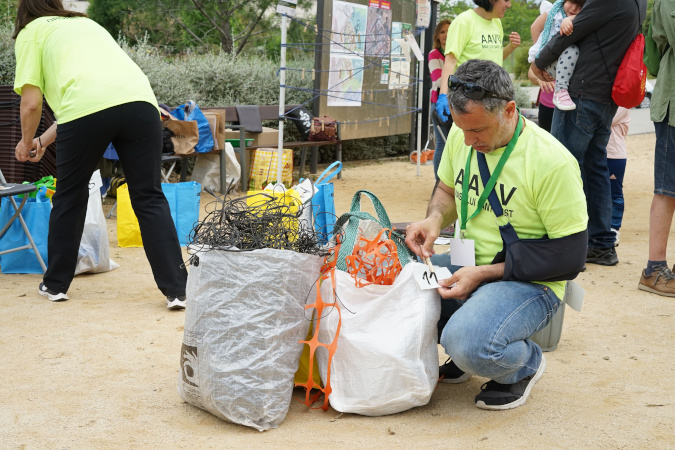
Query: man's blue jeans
x=488 y=334
x=585 y=132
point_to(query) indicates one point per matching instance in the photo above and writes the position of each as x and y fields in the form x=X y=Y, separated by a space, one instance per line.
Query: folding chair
x=166 y=159
x=9 y=190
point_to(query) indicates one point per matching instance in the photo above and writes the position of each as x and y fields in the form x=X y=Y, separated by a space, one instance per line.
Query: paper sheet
x=427 y=280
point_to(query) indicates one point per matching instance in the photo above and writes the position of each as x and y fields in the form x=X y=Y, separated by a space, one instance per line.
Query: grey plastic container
x=549 y=336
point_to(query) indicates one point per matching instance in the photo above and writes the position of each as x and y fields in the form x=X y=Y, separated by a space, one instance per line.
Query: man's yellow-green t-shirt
x=539 y=188
x=472 y=37
x=78 y=66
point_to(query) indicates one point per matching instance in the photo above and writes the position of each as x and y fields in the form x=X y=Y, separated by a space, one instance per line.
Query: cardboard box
x=268 y=138
x=216 y=118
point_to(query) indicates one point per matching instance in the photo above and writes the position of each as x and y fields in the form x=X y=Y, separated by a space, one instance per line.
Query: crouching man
x=507 y=180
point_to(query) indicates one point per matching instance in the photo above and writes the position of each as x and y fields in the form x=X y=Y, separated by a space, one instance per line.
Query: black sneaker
x=496 y=396
x=52 y=295
x=450 y=373
x=602 y=256
x=175 y=302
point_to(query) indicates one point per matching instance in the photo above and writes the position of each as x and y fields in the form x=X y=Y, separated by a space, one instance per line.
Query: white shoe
x=53 y=296
x=563 y=101
x=174 y=303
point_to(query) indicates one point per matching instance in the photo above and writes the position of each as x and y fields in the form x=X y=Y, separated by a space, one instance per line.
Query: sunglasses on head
x=472 y=90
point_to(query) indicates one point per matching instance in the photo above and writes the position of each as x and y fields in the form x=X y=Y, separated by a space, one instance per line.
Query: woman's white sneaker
x=175 y=302
x=52 y=295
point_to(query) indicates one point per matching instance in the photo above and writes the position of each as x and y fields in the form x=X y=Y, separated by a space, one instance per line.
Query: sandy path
x=100 y=370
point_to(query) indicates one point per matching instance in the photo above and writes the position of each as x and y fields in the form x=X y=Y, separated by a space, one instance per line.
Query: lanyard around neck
x=491 y=182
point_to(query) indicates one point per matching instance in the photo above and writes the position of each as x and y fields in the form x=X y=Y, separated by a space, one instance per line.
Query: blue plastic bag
x=323 y=202
x=36 y=214
x=183 y=201
x=190 y=111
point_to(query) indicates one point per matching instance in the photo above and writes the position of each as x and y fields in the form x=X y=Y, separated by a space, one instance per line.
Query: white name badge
x=462 y=252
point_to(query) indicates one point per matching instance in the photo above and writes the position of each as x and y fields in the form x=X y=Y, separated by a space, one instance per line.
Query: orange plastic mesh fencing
x=374 y=261
x=327 y=271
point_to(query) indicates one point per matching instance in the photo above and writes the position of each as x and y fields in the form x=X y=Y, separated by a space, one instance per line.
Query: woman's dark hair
x=437 y=31
x=30 y=10
x=485 y=4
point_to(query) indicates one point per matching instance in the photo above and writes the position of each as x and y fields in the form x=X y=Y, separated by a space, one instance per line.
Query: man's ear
x=511 y=109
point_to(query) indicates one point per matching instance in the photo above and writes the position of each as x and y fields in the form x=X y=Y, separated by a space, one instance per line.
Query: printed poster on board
x=345 y=80
x=398 y=29
x=348 y=28
x=378 y=32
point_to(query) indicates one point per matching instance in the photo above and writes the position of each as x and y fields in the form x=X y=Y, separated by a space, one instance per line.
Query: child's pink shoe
x=562 y=101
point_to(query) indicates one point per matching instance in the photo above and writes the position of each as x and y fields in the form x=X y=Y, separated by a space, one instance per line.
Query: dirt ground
x=100 y=370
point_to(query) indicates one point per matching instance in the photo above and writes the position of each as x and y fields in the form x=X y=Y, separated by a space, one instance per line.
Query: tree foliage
x=233 y=26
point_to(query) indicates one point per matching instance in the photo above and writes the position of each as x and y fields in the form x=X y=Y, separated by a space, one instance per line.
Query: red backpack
x=629 y=85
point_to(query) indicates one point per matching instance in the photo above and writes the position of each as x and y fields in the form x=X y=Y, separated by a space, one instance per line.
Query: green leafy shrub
x=7 y=61
x=521 y=66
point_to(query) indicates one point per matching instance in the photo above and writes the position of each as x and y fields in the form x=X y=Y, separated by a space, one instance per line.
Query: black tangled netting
x=255 y=222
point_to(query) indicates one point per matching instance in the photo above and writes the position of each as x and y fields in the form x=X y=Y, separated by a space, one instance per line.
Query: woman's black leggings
x=136 y=132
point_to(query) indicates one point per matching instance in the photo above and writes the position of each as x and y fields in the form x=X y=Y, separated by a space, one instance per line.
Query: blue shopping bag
x=323 y=202
x=190 y=111
x=36 y=214
x=183 y=201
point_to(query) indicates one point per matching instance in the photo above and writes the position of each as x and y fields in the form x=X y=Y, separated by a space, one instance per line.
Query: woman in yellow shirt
x=98 y=95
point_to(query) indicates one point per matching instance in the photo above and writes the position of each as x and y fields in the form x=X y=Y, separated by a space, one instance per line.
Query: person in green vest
x=98 y=95
x=501 y=176
x=475 y=34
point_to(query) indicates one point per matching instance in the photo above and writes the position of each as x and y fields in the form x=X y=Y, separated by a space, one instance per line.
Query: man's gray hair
x=488 y=75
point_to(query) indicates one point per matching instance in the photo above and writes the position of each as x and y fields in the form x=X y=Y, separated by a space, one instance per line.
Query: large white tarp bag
x=244 y=317
x=386 y=359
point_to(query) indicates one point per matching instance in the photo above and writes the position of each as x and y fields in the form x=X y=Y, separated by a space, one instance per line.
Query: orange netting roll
x=374 y=261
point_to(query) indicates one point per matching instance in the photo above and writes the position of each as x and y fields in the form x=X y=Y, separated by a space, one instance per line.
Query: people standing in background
x=436 y=60
x=657 y=277
x=559 y=20
x=475 y=34
x=544 y=101
x=546 y=88
x=616 y=163
x=603 y=31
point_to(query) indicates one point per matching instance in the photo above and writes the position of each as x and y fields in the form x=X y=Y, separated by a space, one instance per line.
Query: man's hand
x=514 y=39
x=420 y=237
x=466 y=280
x=541 y=74
x=462 y=283
x=566 y=27
x=443 y=108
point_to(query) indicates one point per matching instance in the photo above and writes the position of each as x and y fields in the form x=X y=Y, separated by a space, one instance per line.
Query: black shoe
x=496 y=396
x=450 y=373
x=602 y=256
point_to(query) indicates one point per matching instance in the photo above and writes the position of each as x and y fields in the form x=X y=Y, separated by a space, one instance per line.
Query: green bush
x=521 y=66
x=7 y=61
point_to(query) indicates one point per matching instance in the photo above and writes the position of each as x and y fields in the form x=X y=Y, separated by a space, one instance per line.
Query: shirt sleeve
x=545 y=7
x=458 y=37
x=561 y=212
x=28 y=66
x=435 y=68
